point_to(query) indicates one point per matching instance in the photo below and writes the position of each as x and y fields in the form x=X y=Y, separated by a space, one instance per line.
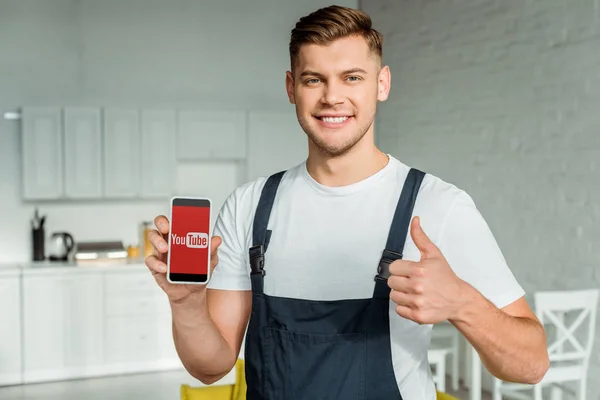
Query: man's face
x=335 y=89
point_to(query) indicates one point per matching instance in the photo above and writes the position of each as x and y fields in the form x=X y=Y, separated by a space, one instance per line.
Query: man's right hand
x=157 y=262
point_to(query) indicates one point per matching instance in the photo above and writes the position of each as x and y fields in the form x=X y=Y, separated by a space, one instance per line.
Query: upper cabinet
x=83 y=153
x=211 y=135
x=158 y=160
x=42 y=153
x=90 y=153
x=121 y=153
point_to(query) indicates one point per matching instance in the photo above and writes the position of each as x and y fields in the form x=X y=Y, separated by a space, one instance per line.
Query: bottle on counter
x=147 y=246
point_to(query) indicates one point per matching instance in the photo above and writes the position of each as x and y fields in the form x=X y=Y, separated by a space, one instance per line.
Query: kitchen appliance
x=105 y=252
x=60 y=245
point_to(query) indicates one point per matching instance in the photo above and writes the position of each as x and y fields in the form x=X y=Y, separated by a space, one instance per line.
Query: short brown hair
x=330 y=23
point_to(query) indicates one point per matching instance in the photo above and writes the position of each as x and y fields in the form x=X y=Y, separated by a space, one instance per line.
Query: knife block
x=38 y=236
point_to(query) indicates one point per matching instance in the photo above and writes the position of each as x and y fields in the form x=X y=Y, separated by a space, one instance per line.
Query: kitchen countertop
x=57 y=267
x=9 y=269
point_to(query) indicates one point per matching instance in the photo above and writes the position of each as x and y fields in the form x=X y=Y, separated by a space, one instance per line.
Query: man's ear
x=289 y=87
x=384 y=83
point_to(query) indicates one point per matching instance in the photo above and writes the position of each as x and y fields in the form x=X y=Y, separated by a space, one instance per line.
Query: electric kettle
x=60 y=245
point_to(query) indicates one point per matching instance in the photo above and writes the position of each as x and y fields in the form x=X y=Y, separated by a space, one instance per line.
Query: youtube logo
x=194 y=240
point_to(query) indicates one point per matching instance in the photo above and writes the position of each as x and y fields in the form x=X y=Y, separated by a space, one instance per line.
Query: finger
x=413 y=301
x=427 y=248
x=162 y=224
x=158 y=241
x=408 y=313
x=399 y=283
x=155 y=265
x=403 y=268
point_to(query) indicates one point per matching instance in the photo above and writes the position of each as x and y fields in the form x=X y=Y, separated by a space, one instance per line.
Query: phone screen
x=189 y=242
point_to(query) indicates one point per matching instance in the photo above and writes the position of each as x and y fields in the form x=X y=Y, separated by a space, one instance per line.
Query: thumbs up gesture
x=427 y=291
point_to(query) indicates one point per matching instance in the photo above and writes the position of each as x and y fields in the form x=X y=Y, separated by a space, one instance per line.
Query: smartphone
x=188 y=260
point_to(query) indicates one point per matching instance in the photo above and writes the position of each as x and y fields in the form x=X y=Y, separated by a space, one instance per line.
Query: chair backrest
x=552 y=308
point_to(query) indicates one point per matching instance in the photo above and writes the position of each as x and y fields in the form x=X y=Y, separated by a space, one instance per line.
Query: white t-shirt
x=327 y=241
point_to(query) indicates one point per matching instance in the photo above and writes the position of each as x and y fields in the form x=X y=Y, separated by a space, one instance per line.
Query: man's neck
x=356 y=165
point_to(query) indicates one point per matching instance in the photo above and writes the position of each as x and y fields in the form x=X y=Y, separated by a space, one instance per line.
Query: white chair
x=445 y=336
x=569 y=343
x=437 y=362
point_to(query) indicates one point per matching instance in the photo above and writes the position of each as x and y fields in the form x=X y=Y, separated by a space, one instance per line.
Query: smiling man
x=338 y=266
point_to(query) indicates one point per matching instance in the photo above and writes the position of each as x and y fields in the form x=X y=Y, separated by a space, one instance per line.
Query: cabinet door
x=10 y=331
x=42 y=153
x=63 y=326
x=130 y=316
x=83 y=153
x=43 y=328
x=121 y=153
x=83 y=324
x=158 y=153
x=276 y=142
x=217 y=135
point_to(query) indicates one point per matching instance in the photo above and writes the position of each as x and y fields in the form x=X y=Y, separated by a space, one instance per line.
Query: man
x=339 y=266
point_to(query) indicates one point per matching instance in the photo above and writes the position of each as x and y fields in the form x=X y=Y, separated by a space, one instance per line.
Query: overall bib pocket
x=300 y=365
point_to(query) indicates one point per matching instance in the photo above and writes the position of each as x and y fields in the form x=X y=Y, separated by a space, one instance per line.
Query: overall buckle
x=383 y=269
x=257 y=259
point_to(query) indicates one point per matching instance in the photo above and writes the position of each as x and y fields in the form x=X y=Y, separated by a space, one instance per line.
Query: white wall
x=502 y=98
x=227 y=54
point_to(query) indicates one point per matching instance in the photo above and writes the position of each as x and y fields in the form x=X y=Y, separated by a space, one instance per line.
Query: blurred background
x=108 y=108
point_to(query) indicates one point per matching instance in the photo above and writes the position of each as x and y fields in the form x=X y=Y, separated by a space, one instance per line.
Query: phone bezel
x=194 y=279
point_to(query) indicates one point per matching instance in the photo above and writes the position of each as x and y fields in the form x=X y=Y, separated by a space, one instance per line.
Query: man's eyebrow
x=354 y=71
x=346 y=72
x=311 y=73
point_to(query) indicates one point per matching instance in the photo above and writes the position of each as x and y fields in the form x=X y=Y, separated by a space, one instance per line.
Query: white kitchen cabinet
x=42 y=153
x=158 y=158
x=63 y=326
x=80 y=322
x=83 y=323
x=137 y=316
x=83 y=153
x=211 y=135
x=121 y=153
x=43 y=328
x=276 y=142
x=10 y=331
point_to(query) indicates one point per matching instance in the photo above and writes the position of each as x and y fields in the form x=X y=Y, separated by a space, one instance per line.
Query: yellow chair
x=444 y=396
x=238 y=390
x=219 y=392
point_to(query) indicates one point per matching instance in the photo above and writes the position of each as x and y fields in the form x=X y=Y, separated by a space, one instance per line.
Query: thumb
x=427 y=248
x=215 y=242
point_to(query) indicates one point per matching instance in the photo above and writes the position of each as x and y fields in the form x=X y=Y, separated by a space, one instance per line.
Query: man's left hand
x=427 y=291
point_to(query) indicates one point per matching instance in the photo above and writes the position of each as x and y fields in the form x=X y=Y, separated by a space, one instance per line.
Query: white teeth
x=334 y=120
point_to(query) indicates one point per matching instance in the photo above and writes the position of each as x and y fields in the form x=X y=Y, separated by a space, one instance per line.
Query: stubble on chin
x=332 y=149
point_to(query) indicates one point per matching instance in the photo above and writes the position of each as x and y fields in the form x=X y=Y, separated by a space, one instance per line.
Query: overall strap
x=398 y=231
x=260 y=234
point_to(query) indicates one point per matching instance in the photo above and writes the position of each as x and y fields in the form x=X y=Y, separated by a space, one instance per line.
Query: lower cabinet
x=62 y=326
x=10 y=331
x=138 y=324
x=93 y=323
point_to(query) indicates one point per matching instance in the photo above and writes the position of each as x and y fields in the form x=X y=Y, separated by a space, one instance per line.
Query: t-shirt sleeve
x=473 y=253
x=231 y=273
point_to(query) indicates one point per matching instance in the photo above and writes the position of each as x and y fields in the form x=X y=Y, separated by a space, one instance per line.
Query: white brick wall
x=502 y=98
